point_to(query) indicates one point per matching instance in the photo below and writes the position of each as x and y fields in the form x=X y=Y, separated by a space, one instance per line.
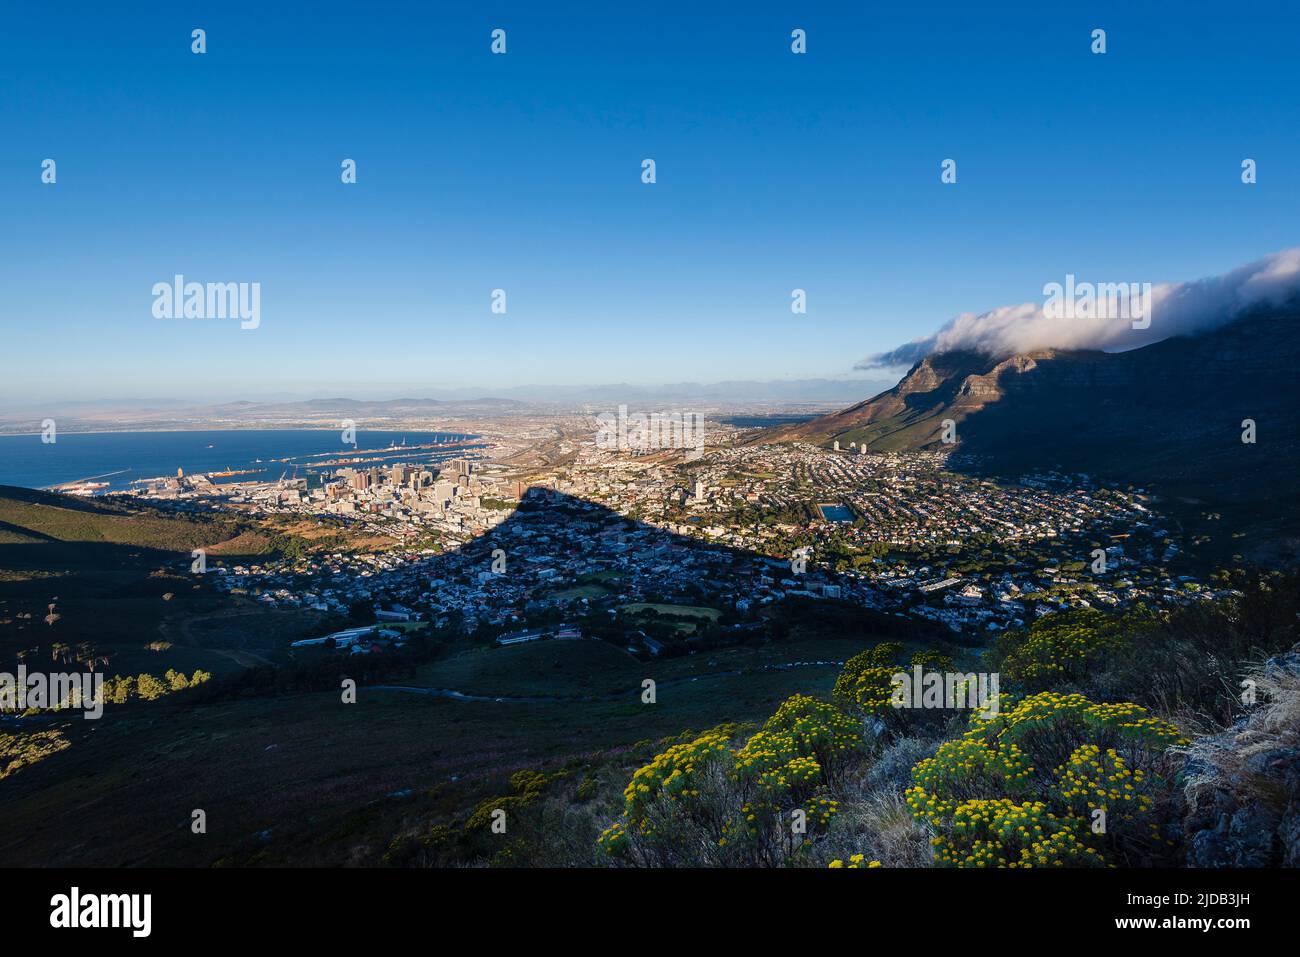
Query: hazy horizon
x=754 y=391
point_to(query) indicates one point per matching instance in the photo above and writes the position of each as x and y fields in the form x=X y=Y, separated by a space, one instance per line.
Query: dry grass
x=1225 y=761
x=874 y=820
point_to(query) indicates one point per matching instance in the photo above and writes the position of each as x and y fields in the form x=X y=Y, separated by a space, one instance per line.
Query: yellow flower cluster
x=1062 y=646
x=865 y=683
x=873 y=690
x=797 y=773
x=814 y=727
x=672 y=773
x=886 y=655
x=972 y=791
x=932 y=661
x=785 y=766
x=820 y=810
x=613 y=840
x=855 y=861
x=1136 y=724
x=1001 y=833
x=1124 y=720
x=1093 y=779
x=962 y=767
x=794 y=746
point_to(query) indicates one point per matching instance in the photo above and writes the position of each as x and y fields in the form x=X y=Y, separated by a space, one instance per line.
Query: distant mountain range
x=157 y=415
x=375 y=407
x=790 y=395
x=731 y=392
x=1168 y=414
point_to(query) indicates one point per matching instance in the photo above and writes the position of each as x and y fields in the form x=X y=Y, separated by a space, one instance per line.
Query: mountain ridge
x=1171 y=414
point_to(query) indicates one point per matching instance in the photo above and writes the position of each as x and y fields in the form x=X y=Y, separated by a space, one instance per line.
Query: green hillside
x=28 y=516
x=117 y=573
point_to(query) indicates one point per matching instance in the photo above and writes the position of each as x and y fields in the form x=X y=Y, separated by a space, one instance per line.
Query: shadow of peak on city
x=565 y=559
x=548 y=519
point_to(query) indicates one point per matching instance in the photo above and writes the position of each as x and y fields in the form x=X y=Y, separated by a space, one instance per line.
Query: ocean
x=118 y=458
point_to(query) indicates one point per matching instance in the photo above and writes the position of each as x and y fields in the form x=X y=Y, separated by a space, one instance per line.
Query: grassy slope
x=318 y=774
x=118 y=575
x=34 y=516
x=596 y=669
x=304 y=778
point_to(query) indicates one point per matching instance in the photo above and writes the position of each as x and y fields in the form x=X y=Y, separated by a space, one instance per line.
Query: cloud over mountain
x=1176 y=309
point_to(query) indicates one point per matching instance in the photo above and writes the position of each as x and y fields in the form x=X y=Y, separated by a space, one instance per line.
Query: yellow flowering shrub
x=932 y=661
x=511 y=804
x=528 y=786
x=1094 y=779
x=613 y=840
x=522 y=782
x=866 y=684
x=673 y=773
x=1024 y=788
x=886 y=655
x=856 y=861
x=1064 y=646
x=820 y=811
x=1055 y=724
x=1002 y=833
x=27 y=747
x=706 y=801
x=806 y=741
x=963 y=769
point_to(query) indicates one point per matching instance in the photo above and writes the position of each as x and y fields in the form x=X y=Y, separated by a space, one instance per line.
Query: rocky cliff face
x=1252 y=359
x=1243 y=786
x=1170 y=413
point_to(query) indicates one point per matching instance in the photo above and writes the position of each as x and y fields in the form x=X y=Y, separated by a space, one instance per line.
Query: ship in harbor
x=244 y=454
x=84 y=489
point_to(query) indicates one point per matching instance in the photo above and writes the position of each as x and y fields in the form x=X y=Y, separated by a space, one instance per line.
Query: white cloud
x=1177 y=309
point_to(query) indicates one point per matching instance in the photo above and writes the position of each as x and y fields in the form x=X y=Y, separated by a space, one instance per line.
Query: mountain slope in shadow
x=1170 y=415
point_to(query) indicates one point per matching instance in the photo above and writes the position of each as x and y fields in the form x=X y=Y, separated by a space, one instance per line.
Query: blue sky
x=522 y=172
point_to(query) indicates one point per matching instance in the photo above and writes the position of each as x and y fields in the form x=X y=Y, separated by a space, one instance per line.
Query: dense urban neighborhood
x=486 y=543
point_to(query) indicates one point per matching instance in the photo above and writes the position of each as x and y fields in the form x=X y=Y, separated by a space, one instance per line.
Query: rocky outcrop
x=1242 y=787
x=1208 y=418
